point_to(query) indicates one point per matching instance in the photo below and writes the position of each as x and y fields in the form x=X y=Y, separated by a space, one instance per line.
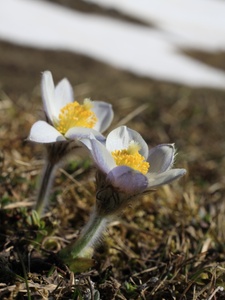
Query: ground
x=167 y=245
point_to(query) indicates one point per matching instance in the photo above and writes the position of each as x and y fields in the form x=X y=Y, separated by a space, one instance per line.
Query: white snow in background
x=142 y=50
x=192 y=23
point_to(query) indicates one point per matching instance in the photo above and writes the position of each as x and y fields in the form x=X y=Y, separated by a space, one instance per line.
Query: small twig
x=74 y=181
x=219 y=288
x=159 y=285
x=133 y=114
x=91 y=287
x=18 y=204
x=145 y=271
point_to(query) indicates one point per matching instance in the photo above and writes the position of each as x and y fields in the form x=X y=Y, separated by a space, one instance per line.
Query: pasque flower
x=66 y=118
x=126 y=168
x=66 y=122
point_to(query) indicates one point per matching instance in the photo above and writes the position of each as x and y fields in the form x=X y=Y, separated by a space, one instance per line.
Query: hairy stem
x=44 y=188
x=89 y=236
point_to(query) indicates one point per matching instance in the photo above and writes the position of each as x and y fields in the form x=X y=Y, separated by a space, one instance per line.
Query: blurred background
x=168 y=41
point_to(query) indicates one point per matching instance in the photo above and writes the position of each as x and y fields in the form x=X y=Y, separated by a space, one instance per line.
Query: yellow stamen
x=76 y=115
x=132 y=158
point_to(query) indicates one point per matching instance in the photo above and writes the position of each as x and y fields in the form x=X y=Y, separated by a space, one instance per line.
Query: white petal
x=42 y=132
x=127 y=180
x=87 y=143
x=84 y=133
x=155 y=180
x=121 y=137
x=161 y=158
x=104 y=114
x=102 y=158
x=63 y=94
x=48 y=93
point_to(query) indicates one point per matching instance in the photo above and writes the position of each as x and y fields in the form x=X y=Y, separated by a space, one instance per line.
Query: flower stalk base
x=83 y=247
x=44 y=188
x=55 y=153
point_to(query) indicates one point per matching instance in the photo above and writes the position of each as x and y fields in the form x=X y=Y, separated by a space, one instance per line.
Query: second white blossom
x=129 y=165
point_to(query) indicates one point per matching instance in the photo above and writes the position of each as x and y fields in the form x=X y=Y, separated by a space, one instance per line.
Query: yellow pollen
x=132 y=158
x=76 y=115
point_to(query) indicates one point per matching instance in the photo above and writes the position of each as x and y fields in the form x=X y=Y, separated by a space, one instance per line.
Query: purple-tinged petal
x=121 y=137
x=102 y=158
x=161 y=158
x=42 y=132
x=155 y=180
x=127 y=180
x=84 y=133
x=104 y=114
x=87 y=144
x=48 y=94
x=63 y=94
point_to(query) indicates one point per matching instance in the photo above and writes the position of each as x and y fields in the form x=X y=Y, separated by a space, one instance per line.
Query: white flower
x=66 y=118
x=129 y=166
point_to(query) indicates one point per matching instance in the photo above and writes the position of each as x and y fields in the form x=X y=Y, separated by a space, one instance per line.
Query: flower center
x=76 y=115
x=132 y=158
